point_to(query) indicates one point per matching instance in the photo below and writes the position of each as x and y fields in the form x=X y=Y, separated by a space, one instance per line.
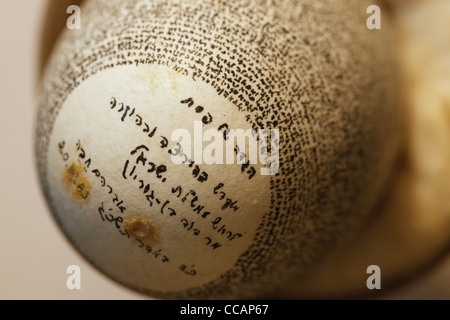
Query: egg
x=212 y=149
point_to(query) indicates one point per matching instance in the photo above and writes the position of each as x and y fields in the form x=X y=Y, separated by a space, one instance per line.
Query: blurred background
x=35 y=254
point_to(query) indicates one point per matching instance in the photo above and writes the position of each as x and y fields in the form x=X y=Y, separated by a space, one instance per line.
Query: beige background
x=34 y=253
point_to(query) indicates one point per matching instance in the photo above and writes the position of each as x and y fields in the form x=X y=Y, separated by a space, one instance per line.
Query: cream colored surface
x=87 y=118
x=35 y=254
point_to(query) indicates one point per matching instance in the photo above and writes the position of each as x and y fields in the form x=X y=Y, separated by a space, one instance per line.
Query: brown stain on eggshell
x=155 y=80
x=77 y=182
x=142 y=229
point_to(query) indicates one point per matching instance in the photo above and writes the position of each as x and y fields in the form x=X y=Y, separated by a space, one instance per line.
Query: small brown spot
x=143 y=229
x=76 y=181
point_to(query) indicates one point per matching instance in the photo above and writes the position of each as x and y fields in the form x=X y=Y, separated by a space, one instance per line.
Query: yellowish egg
x=135 y=147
